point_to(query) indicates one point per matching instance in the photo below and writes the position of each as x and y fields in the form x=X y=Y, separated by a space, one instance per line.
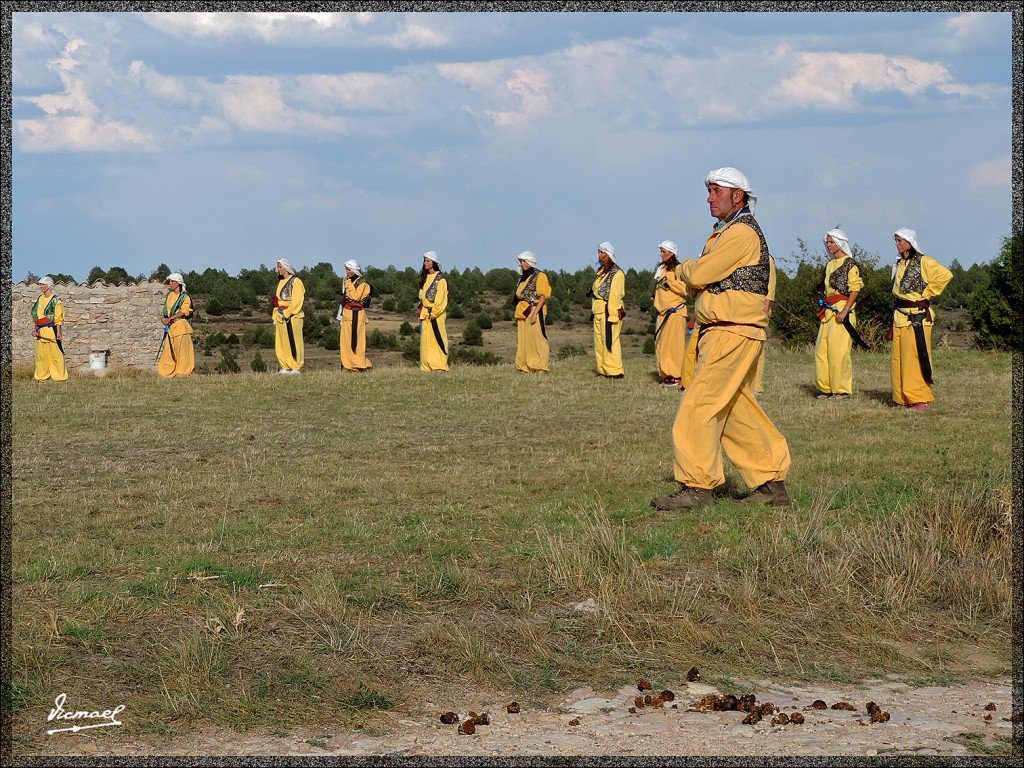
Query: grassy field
x=256 y=551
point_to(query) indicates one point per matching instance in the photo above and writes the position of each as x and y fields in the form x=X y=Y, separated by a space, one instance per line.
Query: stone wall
x=122 y=319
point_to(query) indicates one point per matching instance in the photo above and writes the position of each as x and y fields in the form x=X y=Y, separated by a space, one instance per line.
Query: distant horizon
x=230 y=139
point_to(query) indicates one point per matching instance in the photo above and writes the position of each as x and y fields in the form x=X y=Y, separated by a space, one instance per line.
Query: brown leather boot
x=772 y=493
x=687 y=497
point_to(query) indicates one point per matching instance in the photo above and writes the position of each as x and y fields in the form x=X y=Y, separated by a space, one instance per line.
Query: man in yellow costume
x=355 y=300
x=177 y=352
x=718 y=410
x=48 y=331
x=287 y=314
x=670 y=304
x=607 y=294
x=532 y=293
x=433 y=312
x=833 y=349
x=917 y=279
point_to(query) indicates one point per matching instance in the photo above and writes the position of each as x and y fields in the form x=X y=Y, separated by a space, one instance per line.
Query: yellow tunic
x=289 y=310
x=532 y=349
x=670 y=331
x=177 y=352
x=353 y=327
x=607 y=323
x=718 y=409
x=908 y=385
x=433 y=312
x=833 y=350
x=50 y=364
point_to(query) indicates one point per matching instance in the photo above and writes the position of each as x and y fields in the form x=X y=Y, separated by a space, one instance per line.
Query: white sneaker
x=283 y=371
x=296 y=372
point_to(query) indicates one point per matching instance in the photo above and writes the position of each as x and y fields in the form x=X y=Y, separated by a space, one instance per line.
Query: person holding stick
x=48 y=331
x=177 y=355
x=355 y=300
x=287 y=315
x=432 y=312
x=833 y=350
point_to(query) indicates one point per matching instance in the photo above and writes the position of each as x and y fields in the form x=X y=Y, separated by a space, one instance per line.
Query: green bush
x=260 y=336
x=507 y=315
x=996 y=306
x=389 y=304
x=215 y=339
x=379 y=340
x=476 y=357
x=331 y=338
x=232 y=339
x=411 y=349
x=649 y=346
x=473 y=336
x=228 y=362
x=484 y=321
x=258 y=364
x=456 y=311
x=405 y=329
x=570 y=350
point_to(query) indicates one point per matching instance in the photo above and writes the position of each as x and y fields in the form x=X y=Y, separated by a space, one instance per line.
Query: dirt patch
x=960 y=720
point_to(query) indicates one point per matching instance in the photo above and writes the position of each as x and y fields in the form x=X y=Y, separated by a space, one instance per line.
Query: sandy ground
x=922 y=721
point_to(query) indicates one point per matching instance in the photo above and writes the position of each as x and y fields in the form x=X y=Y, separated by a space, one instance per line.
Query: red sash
x=832 y=300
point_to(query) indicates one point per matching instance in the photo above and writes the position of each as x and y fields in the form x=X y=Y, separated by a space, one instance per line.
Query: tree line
x=991 y=292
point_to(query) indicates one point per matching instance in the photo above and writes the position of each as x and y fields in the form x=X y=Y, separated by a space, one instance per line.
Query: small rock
x=513 y=708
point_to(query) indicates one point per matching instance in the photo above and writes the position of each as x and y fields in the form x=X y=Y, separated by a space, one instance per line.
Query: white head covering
x=528 y=257
x=669 y=246
x=730 y=177
x=353 y=265
x=287 y=266
x=909 y=235
x=608 y=248
x=840 y=239
x=432 y=255
x=46 y=281
x=176 y=277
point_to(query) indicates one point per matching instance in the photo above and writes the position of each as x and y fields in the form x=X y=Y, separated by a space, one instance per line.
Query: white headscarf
x=46 y=281
x=432 y=255
x=608 y=248
x=669 y=246
x=287 y=266
x=176 y=277
x=731 y=177
x=528 y=257
x=909 y=235
x=353 y=265
x=840 y=239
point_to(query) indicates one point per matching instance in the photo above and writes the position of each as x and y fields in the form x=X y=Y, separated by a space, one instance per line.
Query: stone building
x=118 y=325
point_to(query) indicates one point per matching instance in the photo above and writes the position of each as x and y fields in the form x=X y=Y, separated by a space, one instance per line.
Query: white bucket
x=97 y=360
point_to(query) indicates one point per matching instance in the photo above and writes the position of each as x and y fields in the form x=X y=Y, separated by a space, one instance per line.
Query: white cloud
x=990 y=174
x=81 y=134
x=257 y=104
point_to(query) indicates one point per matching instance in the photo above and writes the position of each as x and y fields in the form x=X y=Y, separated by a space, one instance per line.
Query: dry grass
x=247 y=550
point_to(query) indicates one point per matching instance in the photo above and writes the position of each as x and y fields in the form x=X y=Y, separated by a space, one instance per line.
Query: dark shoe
x=773 y=494
x=614 y=375
x=670 y=381
x=686 y=497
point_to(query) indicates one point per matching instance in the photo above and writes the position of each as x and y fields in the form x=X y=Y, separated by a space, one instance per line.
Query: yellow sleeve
x=440 y=299
x=298 y=296
x=737 y=246
x=935 y=275
x=854 y=279
x=676 y=284
x=771 y=278
x=543 y=286
x=58 y=313
x=360 y=292
x=616 y=294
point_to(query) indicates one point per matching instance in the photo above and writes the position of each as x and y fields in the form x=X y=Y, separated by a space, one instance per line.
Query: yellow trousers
x=670 y=344
x=609 y=361
x=50 y=363
x=183 y=362
x=718 y=411
x=833 y=358
x=353 y=329
x=690 y=361
x=908 y=385
x=432 y=357
x=759 y=371
x=283 y=347
x=532 y=348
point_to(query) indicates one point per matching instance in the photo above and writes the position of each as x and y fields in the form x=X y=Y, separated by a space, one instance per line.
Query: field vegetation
x=257 y=551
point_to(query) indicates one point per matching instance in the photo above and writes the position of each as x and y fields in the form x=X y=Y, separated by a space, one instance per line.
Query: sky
x=229 y=140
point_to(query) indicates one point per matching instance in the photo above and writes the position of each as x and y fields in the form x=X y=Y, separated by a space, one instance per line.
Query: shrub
x=507 y=315
x=258 y=364
x=996 y=306
x=473 y=336
x=389 y=304
x=484 y=321
x=331 y=338
x=232 y=339
x=570 y=350
x=259 y=337
x=215 y=339
x=649 y=346
x=405 y=329
x=228 y=362
x=476 y=357
x=456 y=311
x=380 y=340
x=411 y=349
x=214 y=306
